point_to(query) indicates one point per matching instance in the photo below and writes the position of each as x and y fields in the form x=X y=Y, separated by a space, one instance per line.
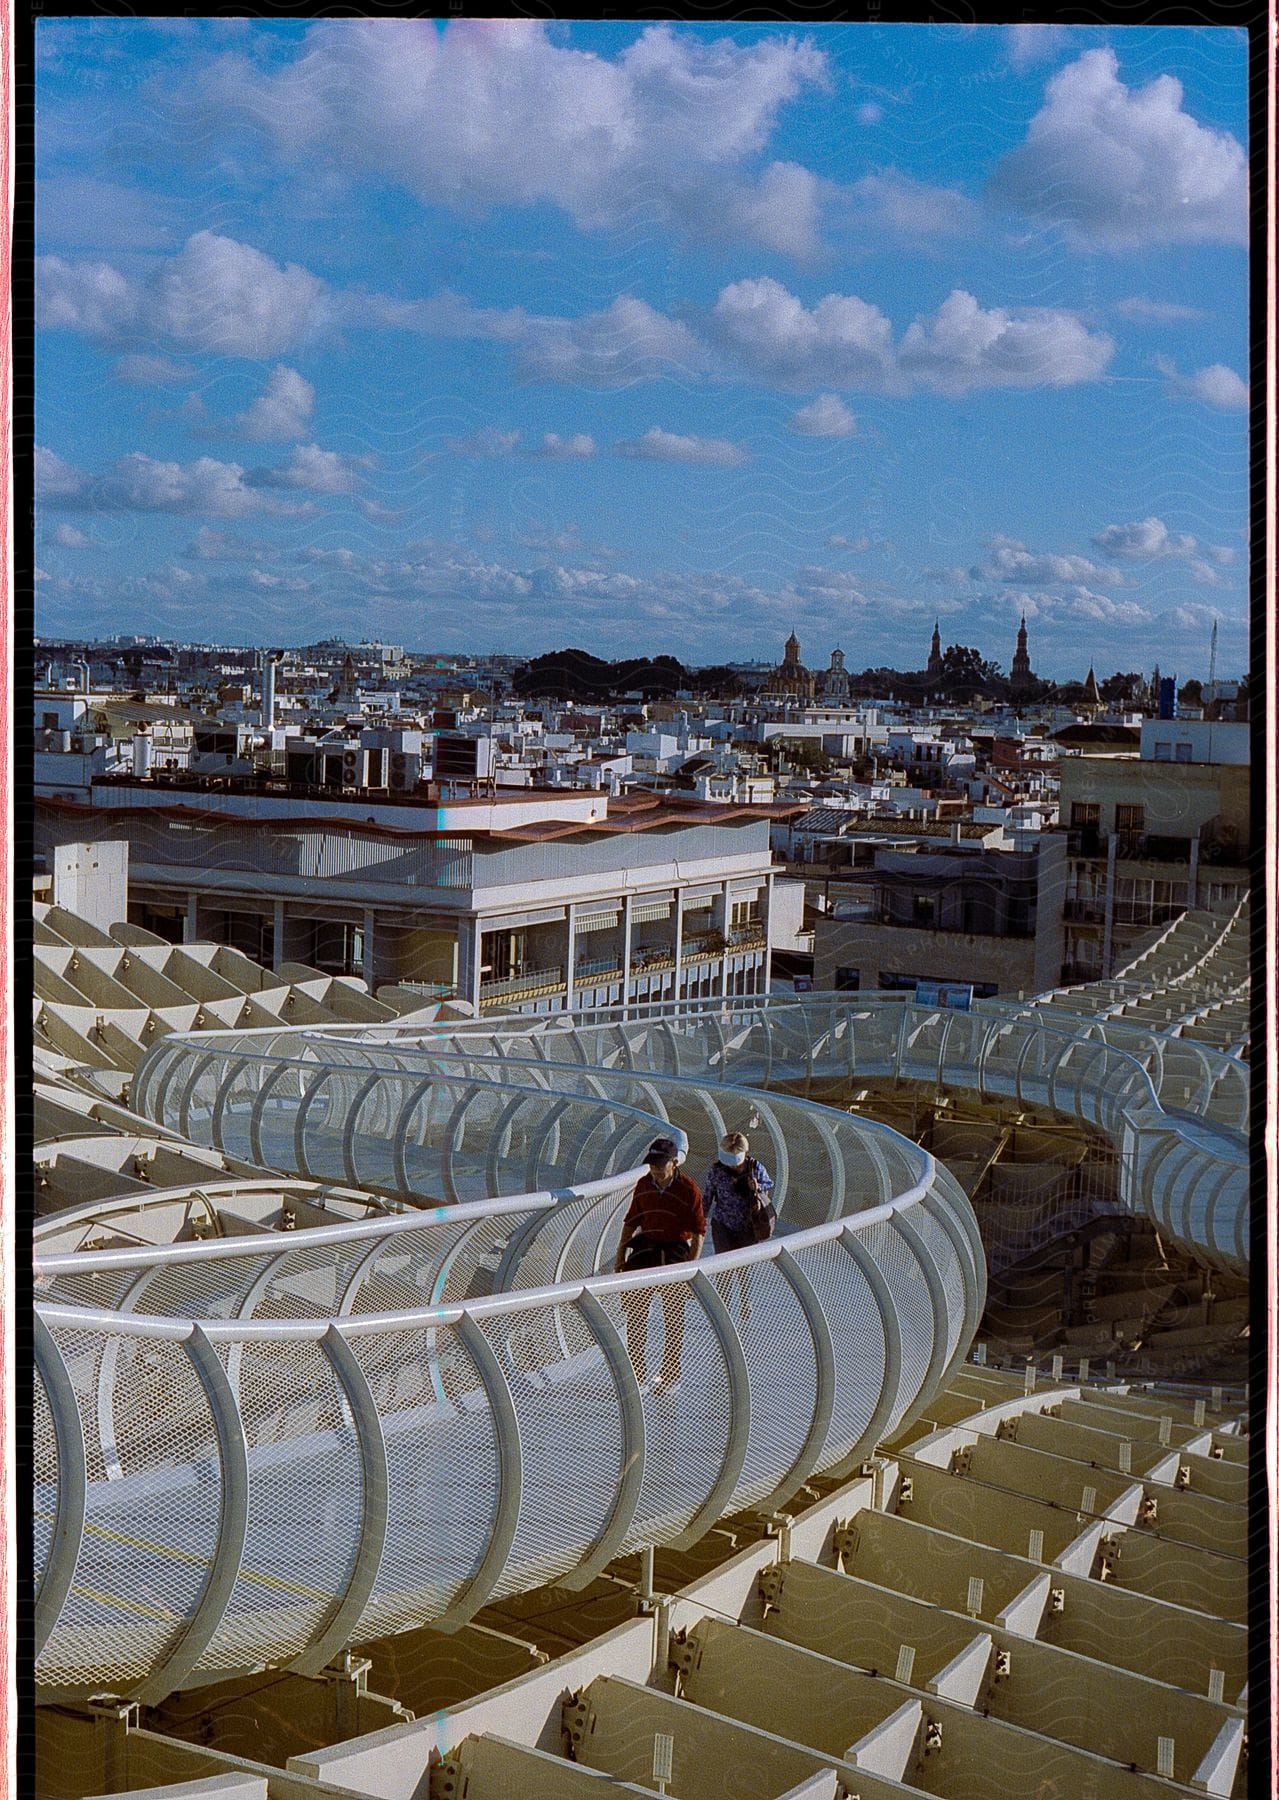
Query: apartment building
x=951 y=912
x=537 y=901
x=1150 y=834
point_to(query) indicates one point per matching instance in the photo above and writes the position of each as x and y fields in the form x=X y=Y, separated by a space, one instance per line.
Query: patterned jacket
x=722 y=1197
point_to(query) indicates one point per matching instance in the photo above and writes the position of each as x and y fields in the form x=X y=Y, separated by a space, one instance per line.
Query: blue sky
x=504 y=335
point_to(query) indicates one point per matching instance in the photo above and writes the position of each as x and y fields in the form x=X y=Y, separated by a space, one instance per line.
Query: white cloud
x=896 y=203
x=282 y=410
x=1150 y=540
x=1025 y=45
x=827 y=416
x=1010 y=560
x=138 y=483
x=763 y=331
x=967 y=346
x=217 y=295
x=1193 y=616
x=838 y=542
x=1079 y=606
x=494 y=112
x=670 y=446
x=1216 y=385
x=771 y=335
x=487 y=441
x=150 y=371
x=1125 y=167
x=870 y=112
x=1144 y=538
x=628 y=342
x=209 y=545
x=580 y=444
x=70 y=538
x=314 y=471
x=1142 y=311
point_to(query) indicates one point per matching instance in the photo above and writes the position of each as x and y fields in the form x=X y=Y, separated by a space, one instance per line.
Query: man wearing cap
x=664 y=1223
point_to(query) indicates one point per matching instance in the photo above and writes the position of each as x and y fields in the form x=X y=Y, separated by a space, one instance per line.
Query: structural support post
x=368 y=965
x=570 y=953
x=626 y=956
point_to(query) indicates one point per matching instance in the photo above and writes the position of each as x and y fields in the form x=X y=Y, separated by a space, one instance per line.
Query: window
x=1085 y=812
x=925 y=910
x=50 y=721
x=1130 y=818
x=1163 y=751
x=847 y=980
x=1183 y=752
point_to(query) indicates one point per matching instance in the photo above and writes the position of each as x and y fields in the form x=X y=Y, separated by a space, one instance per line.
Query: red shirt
x=668 y=1213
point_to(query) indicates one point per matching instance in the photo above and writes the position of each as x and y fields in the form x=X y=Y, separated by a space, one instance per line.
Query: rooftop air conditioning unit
x=351 y=770
x=405 y=771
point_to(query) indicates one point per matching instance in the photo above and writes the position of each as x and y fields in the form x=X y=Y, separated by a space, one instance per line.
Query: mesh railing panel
x=442 y=1472
x=150 y=1531
x=476 y=1450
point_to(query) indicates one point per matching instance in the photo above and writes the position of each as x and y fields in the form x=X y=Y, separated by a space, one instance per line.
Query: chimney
x=957 y=833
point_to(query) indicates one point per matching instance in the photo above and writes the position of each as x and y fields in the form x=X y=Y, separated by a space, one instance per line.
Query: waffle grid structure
x=253 y=1451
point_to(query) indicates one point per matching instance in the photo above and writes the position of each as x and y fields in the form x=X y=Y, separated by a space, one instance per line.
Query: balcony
x=748 y=937
x=597 y=968
x=525 y=986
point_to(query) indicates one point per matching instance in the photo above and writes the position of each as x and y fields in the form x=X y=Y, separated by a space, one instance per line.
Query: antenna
x=1212 y=666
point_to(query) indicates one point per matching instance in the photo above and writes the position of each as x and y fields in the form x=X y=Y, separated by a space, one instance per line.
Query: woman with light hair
x=735 y=1195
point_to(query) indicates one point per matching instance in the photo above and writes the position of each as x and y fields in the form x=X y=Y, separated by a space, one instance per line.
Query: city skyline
x=645 y=338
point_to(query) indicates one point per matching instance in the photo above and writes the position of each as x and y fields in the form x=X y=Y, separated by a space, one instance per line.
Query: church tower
x=1022 y=675
x=934 y=654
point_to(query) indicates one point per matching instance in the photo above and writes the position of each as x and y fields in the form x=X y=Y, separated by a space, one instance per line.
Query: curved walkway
x=256 y=1451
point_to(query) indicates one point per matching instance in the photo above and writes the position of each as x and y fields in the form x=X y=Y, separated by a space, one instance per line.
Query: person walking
x=665 y=1223
x=735 y=1196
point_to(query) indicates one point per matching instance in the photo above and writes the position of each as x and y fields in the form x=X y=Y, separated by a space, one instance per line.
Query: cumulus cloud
x=209 y=545
x=217 y=295
x=313 y=471
x=670 y=446
x=627 y=342
x=1010 y=560
x=580 y=444
x=150 y=371
x=1191 y=616
x=1144 y=538
x=492 y=112
x=138 y=483
x=1149 y=540
x=896 y=204
x=1026 y=45
x=71 y=539
x=827 y=416
x=966 y=346
x=1122 y=167
x=770 y=334
x=282 y=410
x=1079 y=605
x=1215 y=386
x=487 y=441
